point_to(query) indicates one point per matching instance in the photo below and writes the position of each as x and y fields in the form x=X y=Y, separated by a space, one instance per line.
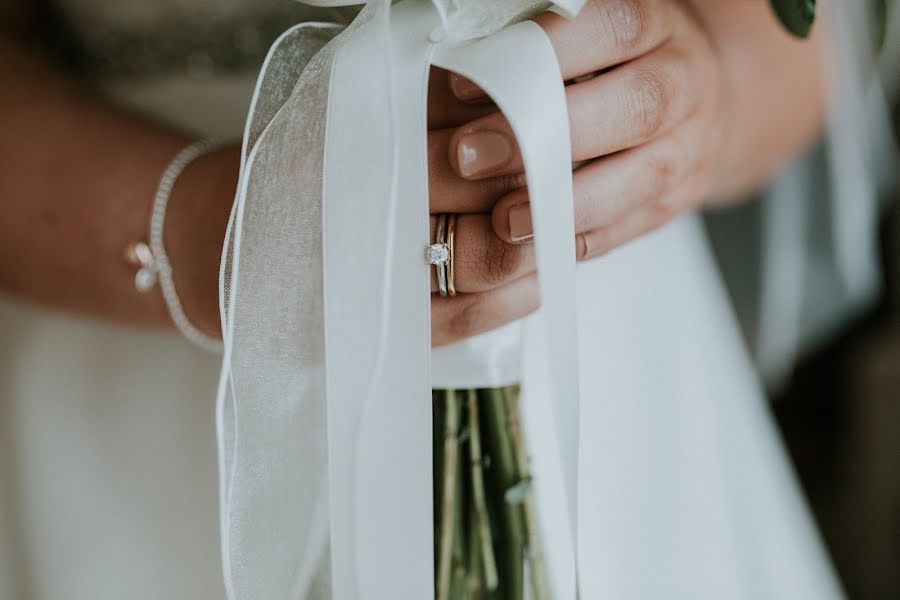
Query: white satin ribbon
x=517 y=67
x=324 y=404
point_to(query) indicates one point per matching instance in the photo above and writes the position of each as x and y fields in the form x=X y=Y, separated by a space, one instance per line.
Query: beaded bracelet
x=152 y=258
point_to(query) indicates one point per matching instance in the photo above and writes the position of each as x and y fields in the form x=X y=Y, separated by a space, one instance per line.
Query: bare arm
x=77 y=179
x=776 y=86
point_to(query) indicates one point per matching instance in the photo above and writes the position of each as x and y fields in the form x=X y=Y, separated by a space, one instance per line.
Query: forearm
x=775 y=87
x=76 y=185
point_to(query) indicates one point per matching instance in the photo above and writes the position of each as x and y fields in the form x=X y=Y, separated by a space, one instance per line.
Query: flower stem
x=451 y=456
x=503 y=477
x=486 y=529
x=538 y=570
x=483 y=531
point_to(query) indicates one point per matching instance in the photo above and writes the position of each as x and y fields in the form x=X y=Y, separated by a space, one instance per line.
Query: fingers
x=596 y=243
x=642 y=220
x=630 y=105
x=607 y=189
x=481 y=260
x=445 y=109
x=620 y=109
x=459 y=317
x=605 y=33
x=468 y=314
x=448 y=192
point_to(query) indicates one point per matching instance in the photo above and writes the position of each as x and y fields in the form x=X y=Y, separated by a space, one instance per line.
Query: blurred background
x=840 y=416
x=839 y=413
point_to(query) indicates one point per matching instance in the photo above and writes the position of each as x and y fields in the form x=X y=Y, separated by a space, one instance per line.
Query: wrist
x=197 y=218
x=773 y=90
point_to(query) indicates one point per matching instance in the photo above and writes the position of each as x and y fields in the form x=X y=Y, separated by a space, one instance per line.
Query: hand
x=648 y=111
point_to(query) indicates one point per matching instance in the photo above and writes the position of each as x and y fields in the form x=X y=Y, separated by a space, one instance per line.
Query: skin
x=677 y=104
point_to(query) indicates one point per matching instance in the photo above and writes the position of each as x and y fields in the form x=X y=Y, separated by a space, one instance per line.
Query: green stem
x=483 y=531
x=538 y=570
x=458 y=578
x=503 y=477
x=476 y=587
x=451 y=455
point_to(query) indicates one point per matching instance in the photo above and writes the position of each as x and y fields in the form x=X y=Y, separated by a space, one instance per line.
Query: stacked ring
x=440 y=253
x=451 y=235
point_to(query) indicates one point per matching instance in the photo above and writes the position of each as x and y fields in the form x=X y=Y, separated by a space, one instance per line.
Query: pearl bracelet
x=151 y=258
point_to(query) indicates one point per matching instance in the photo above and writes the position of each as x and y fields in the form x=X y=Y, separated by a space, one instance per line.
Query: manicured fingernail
x=463 y=88
x=520 y=228
x=480 y=152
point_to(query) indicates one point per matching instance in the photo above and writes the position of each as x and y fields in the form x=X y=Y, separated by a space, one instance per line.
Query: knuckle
x=624 y=21
x=501 y=260
x=702 y=167
x=507 y=183
x=663 y=211
x=584 y=206
x=630 y=20
x=650 y=99
x=465 y=322
x=665 y=165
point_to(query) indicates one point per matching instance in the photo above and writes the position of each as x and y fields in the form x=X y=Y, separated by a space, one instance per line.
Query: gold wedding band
x=451 y=236
x=440 y=253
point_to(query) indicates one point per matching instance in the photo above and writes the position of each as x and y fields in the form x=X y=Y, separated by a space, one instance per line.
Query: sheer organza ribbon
x=324 y=401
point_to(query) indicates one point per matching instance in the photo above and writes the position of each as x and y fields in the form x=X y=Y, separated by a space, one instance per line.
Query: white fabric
x=685 y=489
x=108 y=461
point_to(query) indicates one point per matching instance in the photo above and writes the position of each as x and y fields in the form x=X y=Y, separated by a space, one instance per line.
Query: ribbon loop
x=517 y=67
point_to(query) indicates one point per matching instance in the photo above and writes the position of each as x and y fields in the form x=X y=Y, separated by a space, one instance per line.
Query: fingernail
x=481 y=152
x=463 y=88
x=520 y=229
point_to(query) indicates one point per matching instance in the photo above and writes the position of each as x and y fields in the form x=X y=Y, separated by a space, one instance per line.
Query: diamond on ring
x=438 y=254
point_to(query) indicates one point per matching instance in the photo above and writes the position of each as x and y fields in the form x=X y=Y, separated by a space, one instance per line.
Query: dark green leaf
x=796 y=15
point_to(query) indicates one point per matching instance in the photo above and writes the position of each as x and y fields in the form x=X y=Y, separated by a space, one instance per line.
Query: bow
x=324 y=412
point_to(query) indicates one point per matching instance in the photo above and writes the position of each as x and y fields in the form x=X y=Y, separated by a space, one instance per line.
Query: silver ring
x=439 y=254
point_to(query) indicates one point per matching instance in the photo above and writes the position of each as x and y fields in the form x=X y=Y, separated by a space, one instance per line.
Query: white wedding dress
x=108 y=481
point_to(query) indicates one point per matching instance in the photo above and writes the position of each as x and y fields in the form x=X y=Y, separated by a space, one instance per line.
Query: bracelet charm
x=139 y=254
x=150 y=256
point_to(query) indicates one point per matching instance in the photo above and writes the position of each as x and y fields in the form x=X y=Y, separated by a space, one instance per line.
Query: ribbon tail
x=517 y=67
x=271 y=509
x=378 y=392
